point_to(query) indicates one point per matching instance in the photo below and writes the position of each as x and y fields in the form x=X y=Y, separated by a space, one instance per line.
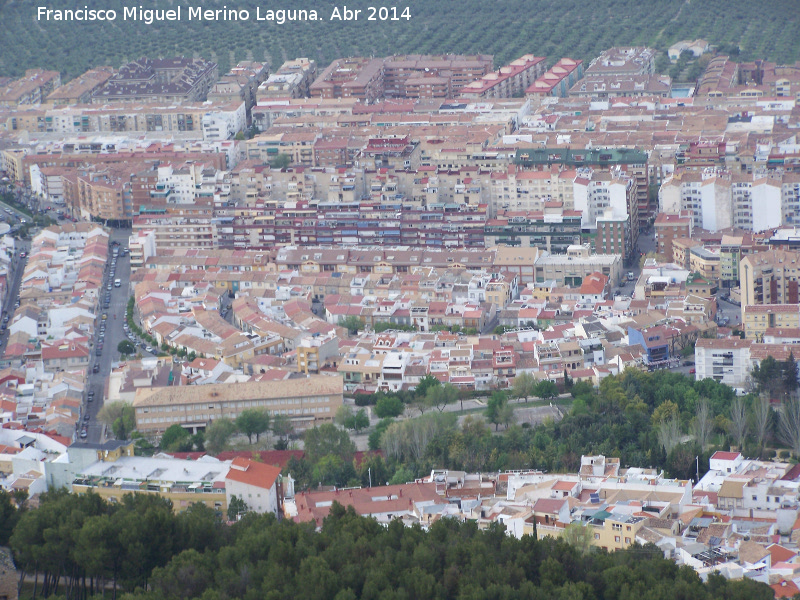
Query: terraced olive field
x=504 y=28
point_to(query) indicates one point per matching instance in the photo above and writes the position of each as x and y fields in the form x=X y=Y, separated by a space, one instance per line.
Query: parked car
x=692 y=371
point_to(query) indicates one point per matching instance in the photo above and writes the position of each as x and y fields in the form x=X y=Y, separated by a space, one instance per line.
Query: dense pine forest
x=504 y=28
x=76 y=547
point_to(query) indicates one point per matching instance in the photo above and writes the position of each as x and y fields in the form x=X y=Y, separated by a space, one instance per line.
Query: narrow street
x=17 y=267
x=114 y=334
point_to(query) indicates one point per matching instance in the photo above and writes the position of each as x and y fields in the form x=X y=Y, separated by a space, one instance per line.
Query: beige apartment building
x=681 y=251
x=32 y=88
x=102 y=197
x=770 y=277
x=189 y=227
x=80 y=89
x=518 y=189
x=67 y=117
x=757 y=318
x=705 y=262
x=11 y=161
x=307 y=402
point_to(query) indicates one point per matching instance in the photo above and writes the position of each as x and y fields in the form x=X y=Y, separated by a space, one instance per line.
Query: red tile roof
x=594 y=284
x=785 y=589
x=549 y=505
x=780 y=554
x=564 y=486
x=313 y=506
x=720 y=455
x=253 y=473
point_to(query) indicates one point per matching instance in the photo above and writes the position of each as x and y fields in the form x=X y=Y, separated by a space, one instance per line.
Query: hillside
x=505 y=28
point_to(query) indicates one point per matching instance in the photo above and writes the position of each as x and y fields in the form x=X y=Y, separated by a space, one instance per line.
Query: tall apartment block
x=608 y=202
x=717 y=199
x=770 y=277
x=671 y=227
x=630 y=161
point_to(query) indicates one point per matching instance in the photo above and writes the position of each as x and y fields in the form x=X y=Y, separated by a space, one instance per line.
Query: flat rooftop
x=156 y=470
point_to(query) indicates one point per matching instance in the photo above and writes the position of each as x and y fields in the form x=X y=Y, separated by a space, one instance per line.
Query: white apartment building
x=221 y=125
x=142 y=245
x=599 y=194
x=717 y=200
x=724 y=360
x=182 y=183
x=48 y=182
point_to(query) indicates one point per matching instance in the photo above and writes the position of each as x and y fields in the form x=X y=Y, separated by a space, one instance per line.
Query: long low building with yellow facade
x=111 y=471
x=307 y=401
x=183 y=482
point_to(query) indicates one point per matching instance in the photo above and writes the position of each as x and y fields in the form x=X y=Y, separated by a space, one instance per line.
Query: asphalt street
x=12 y=291
x=114 y=333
